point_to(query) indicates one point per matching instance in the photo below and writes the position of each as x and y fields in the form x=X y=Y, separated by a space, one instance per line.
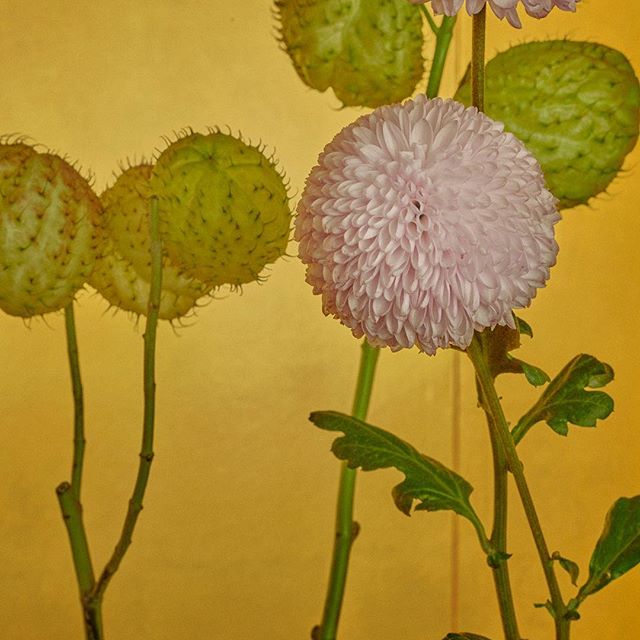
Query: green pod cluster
x=50 y=228
x=122 y=274
x=368 y=51
x=575 y=105
x=223 y=206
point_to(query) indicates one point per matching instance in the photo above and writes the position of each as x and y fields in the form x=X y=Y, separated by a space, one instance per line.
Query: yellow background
x=234 y=541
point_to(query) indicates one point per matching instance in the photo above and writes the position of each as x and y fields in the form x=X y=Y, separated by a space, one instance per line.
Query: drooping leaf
x=433 y=485
x=618 y=549
x=464 y=636
x=569 y=566
x=567 y=400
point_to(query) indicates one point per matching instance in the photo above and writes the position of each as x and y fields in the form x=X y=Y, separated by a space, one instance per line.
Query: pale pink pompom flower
x=502 y=8
x=424 y=222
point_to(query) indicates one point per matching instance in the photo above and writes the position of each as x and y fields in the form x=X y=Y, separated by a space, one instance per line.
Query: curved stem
x=491 y=404
x=346 y=529
x=68 y=493
x=444 y=35
x=78 y=402
x=146 y=452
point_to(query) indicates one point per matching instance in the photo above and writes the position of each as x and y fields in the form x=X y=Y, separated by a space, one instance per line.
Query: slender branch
x=499 y=536
x=68 y=493
x=346 y=529
x=432 y=23
x=72 y=516
x=492 y=406
x=146 y=451
x=78 y=402
x=444 y=35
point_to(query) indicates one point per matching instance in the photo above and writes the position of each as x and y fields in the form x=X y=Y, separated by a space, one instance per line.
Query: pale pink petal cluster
x=423 y=222
x=502 y=8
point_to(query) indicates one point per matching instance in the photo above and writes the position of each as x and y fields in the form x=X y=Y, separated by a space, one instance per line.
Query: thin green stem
x=78 y=402
x=346 y=529
x=491 y=404
x=499 y=537
x=146 y=451
x=432 y=23
x=68 y=493
x=72 y=516
x=444 y=35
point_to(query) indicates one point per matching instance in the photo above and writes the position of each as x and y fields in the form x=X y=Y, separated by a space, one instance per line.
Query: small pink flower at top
x=502 y=8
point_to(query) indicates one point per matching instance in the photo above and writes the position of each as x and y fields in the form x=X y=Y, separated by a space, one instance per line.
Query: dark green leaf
x=569 y=566
x=523 y=327
x=536 y=376
x=433 y=485
x=464 y=636
x=618 y=549
x=566 y=399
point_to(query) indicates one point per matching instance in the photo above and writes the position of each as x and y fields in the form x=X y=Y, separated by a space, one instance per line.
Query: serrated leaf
x=433 y=485
x=566 y=399
x=464 y=636
x=618 y=548
x=569 y=566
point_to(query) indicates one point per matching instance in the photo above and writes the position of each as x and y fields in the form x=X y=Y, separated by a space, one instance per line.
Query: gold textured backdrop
x=235 y=537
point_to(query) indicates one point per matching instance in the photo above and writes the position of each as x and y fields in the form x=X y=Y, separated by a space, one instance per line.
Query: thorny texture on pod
x=49 y=231
x=575 y=105
x=368 y=51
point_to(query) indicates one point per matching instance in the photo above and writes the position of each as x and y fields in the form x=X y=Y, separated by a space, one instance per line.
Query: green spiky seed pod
x=368 y=51
x=576 y=106
x=224 y=208
x=123 y=272
x=49 y=231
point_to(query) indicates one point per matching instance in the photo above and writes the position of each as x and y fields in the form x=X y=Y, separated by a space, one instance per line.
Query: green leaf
x=433 y=485
x=536 y=376
x=464 y=636
x=618 y=549
x=569 y=566
x=566 y=399
x=523 y=327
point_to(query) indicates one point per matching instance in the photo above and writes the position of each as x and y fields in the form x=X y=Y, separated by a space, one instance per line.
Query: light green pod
x=575 y=105
x=368 y=51
x=122 y=273
x=49 y=231
x=224 y=208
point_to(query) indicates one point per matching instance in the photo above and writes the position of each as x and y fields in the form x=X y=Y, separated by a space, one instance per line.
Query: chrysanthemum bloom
x=502 y=8
x=423 y=222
